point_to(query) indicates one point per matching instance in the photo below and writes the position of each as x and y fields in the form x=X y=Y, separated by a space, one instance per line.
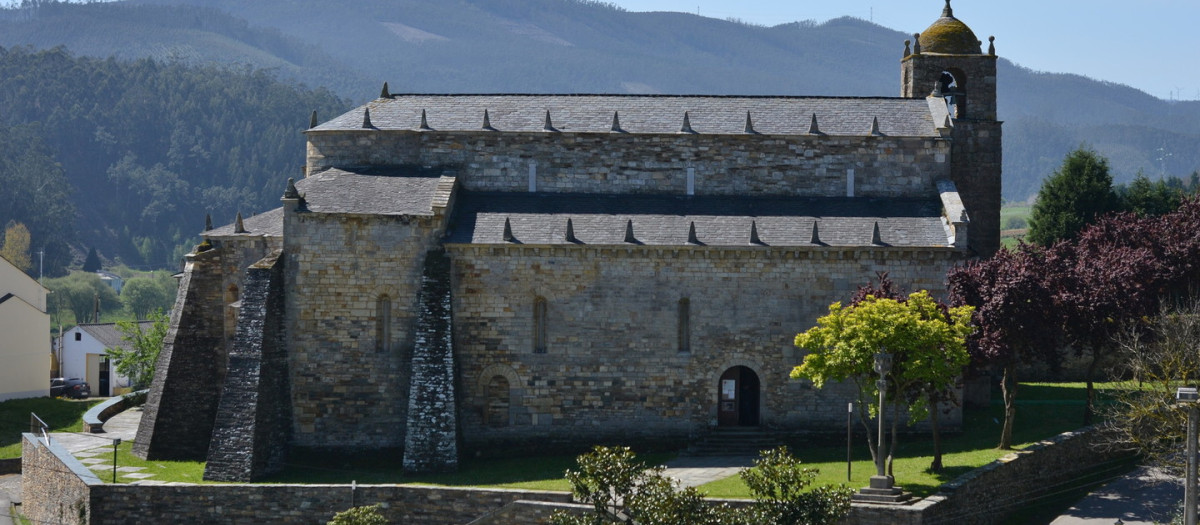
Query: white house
x=113 y=280
x=24 y=335
x=83 y=356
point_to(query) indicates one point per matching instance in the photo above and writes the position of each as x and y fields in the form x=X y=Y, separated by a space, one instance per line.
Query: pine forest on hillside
x=143 y=149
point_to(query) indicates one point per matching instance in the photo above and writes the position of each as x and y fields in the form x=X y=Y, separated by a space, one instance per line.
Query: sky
x=1148 y=44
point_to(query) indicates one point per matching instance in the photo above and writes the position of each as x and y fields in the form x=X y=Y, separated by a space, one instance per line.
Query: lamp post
x=883 y=365
x=1188 y=396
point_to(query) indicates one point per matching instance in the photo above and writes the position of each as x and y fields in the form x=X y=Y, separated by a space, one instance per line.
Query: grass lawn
x=1043 y=411
x=184 y=471
x=62 y=416
x=538 y=473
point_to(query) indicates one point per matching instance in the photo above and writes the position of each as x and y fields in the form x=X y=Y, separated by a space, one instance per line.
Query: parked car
x=73 y=388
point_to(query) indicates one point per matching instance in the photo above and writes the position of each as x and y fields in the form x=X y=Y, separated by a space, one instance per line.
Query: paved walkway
x=692 y=471
x=1143 y=497
x=93 y=450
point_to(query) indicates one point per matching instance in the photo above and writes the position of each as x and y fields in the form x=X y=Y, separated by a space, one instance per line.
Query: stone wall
x=350 y=381
x=988 y=494
x=250 y=434
x=58 y=489
x=55 y=487
x=977 y=159
x=743 y=165
x=613 y=368
x=182 y=404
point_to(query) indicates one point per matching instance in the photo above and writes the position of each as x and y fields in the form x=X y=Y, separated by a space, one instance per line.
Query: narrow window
x=685 y=325
x=532 y=176
x=383 y=323
x=78 y=336
x=539 y=325
x=231 y=310
x=850 y=183
x=691 y=181
x=496 y=414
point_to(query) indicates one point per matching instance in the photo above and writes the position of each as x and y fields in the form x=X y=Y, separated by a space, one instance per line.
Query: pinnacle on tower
x=749 y=124
x=812 y=126
x=487 y=121
x=992 y=45
x=754 y=233
x=629 y=232
x=207 y=222
x=238 y=225
x=907 y=48
x=692 y=239
x=876 y=239
x=947 y=12
x=508 y=235
x=367 y=119
x=616 y=125
x=571 y=232
x=290 y=192
x=687 y=124
x=875 y=126
x=312 y=120
x=384 y=93
x=816 y=237
x=916 y=43
x=424 y=123
x=548 y=126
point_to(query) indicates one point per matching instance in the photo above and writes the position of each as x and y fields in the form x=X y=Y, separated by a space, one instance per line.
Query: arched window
x=496 y=412
x=685 y=325
x=539 y=325
x=953 y=85
x=383 y=323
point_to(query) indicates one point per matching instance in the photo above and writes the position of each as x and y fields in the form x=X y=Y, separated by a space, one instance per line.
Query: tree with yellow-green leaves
x=927 y=341
x=16 y=246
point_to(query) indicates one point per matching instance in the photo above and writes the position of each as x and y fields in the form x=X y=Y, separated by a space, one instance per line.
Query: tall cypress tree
x=92 y=263
x=1073 y=197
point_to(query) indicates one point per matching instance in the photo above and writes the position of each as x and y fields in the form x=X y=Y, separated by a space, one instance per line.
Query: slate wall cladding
x=744 y=165
x=178 y=417
x=349 y=389
x=613 y=369
x=431 y=442
x=253 y=422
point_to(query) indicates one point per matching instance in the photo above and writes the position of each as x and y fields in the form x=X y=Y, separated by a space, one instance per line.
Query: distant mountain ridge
x=568 y=46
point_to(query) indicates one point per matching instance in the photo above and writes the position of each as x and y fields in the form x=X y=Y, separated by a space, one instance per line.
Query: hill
x=575 y=47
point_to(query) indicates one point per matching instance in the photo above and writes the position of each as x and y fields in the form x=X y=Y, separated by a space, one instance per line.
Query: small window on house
x=685 y=322
x=383 y=323
x=496 y=412
x=539 y=325
x=78 y=336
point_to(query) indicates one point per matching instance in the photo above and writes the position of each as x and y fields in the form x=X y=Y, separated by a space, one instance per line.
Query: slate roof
x=266 y=224
x=371 y=191
x=658 y=220
x=851 y=116
x=108 y=334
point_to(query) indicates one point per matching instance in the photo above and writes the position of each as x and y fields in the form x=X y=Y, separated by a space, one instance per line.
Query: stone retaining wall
x=58 y=489
x=94 y=418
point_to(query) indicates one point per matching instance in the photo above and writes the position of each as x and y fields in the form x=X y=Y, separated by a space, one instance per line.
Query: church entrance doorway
x=737 y=398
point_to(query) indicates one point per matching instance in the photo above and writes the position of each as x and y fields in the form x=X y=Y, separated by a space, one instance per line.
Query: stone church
x=464 y=274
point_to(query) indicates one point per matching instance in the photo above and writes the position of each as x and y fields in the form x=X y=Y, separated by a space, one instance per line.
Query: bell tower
x=946 y=61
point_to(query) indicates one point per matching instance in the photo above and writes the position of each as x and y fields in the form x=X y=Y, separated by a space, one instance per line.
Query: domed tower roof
x=948 y=35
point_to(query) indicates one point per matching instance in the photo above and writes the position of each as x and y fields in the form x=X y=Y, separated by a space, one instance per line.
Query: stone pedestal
x=882 y=491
